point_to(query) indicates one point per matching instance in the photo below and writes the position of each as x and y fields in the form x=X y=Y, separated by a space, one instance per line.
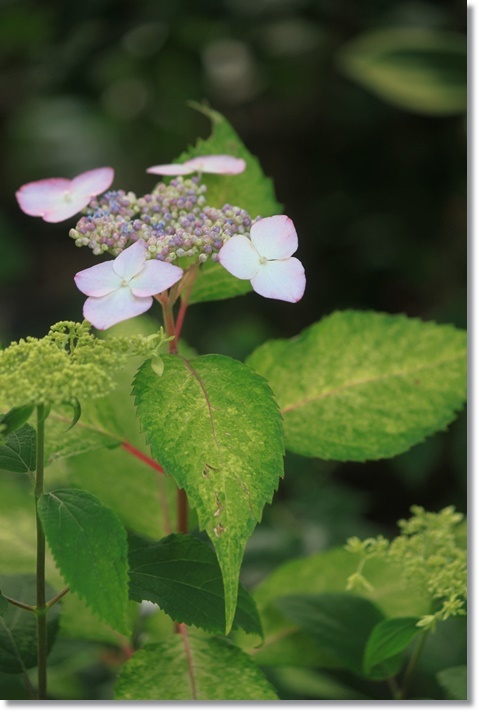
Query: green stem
x=394 y=687
x=412 y=666
x=56 y=598
x=19 y=604
x=41 y=609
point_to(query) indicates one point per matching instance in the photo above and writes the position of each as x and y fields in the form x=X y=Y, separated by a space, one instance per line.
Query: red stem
x=141 y=456
x=182 y=629
x=182 y=511
x=184 y=301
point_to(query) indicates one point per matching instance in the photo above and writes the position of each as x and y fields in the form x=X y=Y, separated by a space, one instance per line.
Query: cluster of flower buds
x=173 y=221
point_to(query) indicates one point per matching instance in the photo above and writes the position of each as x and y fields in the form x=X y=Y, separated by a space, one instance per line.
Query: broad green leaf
x=250 y=190
x=214 y=283
x=364 y=385
x=326 y=572
x=181 y=574
x=14 y=419
x=89 y=545
x=387 y=640
x=18 y=627
x=213 y=424
x=339 y=623
x=143 y=498
x=18 y=451
x=192 y=669
x=454 y=681
x=418 y=70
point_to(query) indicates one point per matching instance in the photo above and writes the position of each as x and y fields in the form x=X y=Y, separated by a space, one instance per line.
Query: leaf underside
x=181 y=574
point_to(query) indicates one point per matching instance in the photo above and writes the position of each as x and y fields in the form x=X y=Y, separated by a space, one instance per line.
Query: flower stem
x=412 y=666
x=41 y=609
x=185 y=295
x=182 y=511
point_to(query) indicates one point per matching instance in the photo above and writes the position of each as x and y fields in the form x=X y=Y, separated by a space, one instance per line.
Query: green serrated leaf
x=18 y=628
x=387 y=640
x=192 y=669
x=89 y=545
x=364 y=385
x=14 y=419
x=416 y=69
x=213 y=424
x=18 y=451
x=181 y=574
x=326 y=572
x=454 y=681
x=339 y=623
x=250 y=190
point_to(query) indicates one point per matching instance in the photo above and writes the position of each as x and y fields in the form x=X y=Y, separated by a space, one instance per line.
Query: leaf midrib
x=373 y=379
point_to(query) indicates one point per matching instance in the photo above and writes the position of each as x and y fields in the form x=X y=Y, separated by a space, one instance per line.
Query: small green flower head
x=430 y=557
x=67 y=365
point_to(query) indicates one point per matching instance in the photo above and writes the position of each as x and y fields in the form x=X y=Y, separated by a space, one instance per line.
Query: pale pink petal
x=99 y=280
x=65 y=208
x=172 y=169
x=41 y=196
x=154 y=278
x=93 y=182
x=57 y=199
x=131 y=261
x=275 y=238
x=280 y=279
x=121 y=304
x=227 y=165
x=239 y=257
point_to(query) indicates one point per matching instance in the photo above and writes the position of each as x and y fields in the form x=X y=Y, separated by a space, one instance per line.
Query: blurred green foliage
x=375 y=183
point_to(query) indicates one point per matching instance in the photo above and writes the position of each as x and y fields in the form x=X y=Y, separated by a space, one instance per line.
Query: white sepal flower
x=221 y=164
x=57 y=199
x=266 y=259
x=124 y=287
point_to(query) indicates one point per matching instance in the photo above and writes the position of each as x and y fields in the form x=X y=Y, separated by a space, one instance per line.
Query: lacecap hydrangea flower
x=265 y=258
x=57 y=199
x=124 y=287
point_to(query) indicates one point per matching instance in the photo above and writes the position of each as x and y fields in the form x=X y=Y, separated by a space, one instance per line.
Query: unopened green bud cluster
x=173 y=221
x=69 y=364
x=430 y=556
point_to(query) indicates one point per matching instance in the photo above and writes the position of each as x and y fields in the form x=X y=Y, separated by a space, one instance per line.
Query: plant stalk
x=182 y=511
x=412 y=666
x=41 y=609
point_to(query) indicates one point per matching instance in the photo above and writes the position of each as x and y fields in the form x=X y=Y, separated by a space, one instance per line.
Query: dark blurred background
x=364 y=135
